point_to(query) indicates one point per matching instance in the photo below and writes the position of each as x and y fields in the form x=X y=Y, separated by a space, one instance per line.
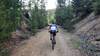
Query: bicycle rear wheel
x=53 y=43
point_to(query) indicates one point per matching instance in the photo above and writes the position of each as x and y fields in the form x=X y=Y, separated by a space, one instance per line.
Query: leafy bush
x=96 y=6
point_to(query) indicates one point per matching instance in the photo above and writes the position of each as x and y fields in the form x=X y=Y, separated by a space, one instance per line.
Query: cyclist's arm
x=49 y=28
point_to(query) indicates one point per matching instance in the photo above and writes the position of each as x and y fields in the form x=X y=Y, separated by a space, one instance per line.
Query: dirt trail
x=40 y=45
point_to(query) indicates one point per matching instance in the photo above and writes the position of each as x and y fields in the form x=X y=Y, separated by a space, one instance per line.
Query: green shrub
x=96 y=7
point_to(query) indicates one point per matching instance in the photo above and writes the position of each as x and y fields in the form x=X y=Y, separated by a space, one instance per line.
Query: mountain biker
x=53 y=30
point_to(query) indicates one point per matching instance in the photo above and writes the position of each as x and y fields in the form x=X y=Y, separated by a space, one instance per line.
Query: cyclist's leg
x=50 y=35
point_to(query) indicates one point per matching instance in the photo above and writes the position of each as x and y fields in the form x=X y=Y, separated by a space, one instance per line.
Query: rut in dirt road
x=40 y=45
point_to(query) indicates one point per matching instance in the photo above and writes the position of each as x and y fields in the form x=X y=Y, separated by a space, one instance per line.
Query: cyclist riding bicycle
x=53 y=29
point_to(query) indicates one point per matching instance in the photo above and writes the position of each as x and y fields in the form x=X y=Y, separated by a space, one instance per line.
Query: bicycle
x=52 y=38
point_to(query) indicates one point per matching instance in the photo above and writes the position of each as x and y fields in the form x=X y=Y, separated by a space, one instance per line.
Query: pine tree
x=82 y=7
x=60 y=11
x=64 y=15
x=9 y=17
